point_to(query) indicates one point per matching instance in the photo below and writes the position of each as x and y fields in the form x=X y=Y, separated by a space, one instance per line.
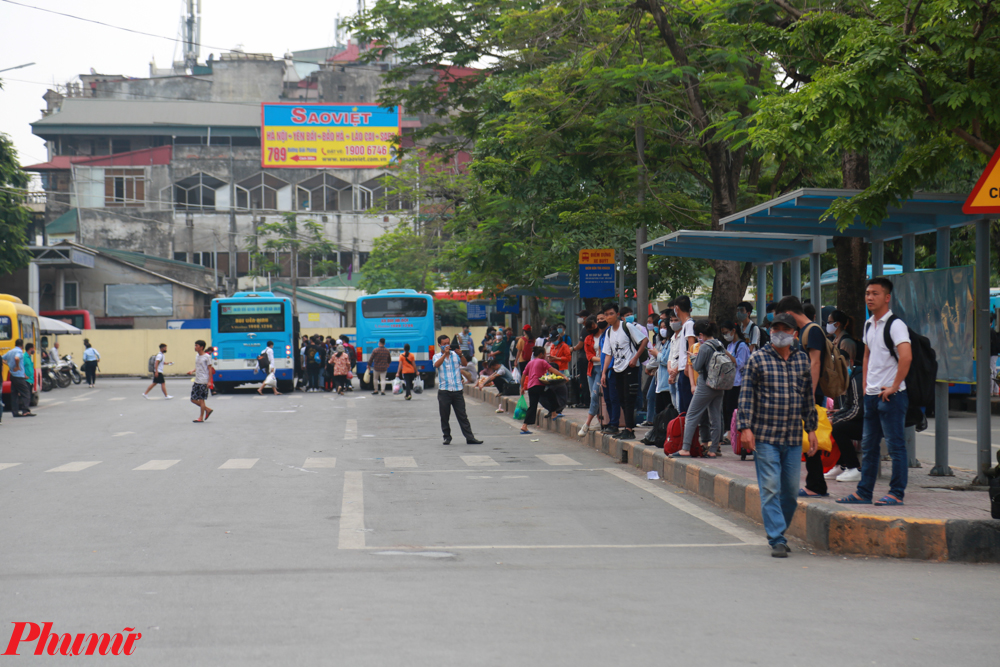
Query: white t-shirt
x=201 y=363
x=881 y=366
x=158 y=363
x=687 y=329
x=673 y=361
x=270 y=356
x=752 y=333
x=618 y=345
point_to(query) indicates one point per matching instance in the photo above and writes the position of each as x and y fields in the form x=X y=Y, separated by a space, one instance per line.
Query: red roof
x=139 y=158
x=58 y=163
x=462 y=295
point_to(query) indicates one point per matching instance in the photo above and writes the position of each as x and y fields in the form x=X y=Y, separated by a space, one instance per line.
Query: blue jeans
x=778 y=479
x=651 y=399
x=683 y=393
x=675 y=394
x=884 y=419
x=595 y=388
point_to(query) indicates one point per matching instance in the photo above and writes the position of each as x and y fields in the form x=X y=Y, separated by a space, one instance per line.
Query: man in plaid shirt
x=776 y=403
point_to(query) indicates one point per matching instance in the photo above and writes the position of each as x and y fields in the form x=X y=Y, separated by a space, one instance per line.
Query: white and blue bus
x=400 y=316
x=242 y=324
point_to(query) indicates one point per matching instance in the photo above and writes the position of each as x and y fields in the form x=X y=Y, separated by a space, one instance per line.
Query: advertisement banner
x=315 y=136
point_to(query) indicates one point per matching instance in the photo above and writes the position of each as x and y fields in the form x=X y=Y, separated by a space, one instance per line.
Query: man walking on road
x=775 y=402
x=159 y=361
x=379 y=360
x=448 y=363
x=203 y=373
x=886 y=401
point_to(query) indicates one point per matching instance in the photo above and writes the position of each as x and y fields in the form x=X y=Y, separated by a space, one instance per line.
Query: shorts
x=158 y=378
x=199 y=392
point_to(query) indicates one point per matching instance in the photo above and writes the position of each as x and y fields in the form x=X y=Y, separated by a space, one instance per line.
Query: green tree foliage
x=399 y=260
x=14 y=216
x=299 y=239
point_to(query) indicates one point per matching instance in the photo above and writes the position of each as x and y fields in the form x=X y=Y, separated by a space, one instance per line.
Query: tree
x=14 y=216
x=399 y=260
x=299 y=238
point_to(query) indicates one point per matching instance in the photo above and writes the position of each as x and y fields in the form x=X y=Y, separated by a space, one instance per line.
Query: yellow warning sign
x=985 y=197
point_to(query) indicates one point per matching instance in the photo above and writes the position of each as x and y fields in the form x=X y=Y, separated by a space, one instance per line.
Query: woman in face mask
x=840 y=325
x=739 y=349
x=705 y=399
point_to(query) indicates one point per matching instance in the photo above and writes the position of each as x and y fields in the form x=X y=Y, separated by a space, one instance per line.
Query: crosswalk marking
x=75 y=466
x=351 y=429
x=400 y=462
x=558 y=460
x=223 y=398
x=320 y=462
x=4 y=466
x=258 y=398
x=478 y=461
x=117 y=398
x=118 y=435
x=238 y=464
x=157 y=464
x=82 y=398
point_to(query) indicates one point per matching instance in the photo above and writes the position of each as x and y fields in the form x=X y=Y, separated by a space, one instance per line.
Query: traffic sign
x=597 y=281
x=475 y=311
x=985 y=196
x=597 y=256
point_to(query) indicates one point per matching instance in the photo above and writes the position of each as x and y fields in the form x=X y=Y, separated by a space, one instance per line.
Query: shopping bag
x=368 y=375
x=397 y=386
x=823 y=431
x=270 y=381
x=516 y=373
x=418 y=384
x=521 y=410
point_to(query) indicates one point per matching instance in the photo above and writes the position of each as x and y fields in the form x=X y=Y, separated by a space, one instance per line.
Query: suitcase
x=734 y=438
x=675 y=438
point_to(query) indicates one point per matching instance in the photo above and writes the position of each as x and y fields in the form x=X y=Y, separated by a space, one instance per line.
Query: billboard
x=315 y=136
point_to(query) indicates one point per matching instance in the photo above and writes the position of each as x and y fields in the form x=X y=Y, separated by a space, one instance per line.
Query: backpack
x=994 y=342
x=922 y=375
x=657 y=436
x=635 y=346
x=263 y=362
x=152 y=364
x=833 y=375
x=763 y=338
x=721 y=369
x=675 y=438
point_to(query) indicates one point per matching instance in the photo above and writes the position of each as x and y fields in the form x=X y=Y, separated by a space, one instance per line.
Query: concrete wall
x=247 y=80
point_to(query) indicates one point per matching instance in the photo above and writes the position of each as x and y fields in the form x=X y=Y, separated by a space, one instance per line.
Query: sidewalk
x=942 y=519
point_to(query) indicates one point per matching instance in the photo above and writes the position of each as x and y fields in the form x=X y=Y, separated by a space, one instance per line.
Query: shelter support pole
x=941 y=468
x=761 y=293
x=815 y=294
x=778 y=271
x=795 y=275
x=983 y=433
x=33 y=286
x=621 y=278
x=878 y=258
x=641 y=277
x=909 y=253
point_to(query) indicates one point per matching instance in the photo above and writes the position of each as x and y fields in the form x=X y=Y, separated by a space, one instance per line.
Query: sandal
x=198 y=421
x=525 y=432
x=888 y=500
x=499 y=410
x=806 y=494
x=208 y=414
x=853 y=499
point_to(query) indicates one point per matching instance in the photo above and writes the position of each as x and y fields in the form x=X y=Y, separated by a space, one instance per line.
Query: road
x=316 y=529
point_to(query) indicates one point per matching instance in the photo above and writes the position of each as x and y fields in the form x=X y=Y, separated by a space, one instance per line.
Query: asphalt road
x=314 y=529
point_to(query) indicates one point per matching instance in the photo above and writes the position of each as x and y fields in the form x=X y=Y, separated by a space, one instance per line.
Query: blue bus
x=400 y=316
x=242 y=324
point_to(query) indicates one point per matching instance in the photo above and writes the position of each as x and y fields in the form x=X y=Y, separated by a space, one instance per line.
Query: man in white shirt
x=886 y=401
x=751 y=331
x=269 y=351
x=685 y=380
x=202 y=385
x=623 y=345
x=159 y=362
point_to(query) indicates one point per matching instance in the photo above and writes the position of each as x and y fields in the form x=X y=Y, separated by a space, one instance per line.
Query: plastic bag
x=823 y=432
x=517 y=375
x=521 y=411
x=368 y=375
x=418 y=384
x=397 y=387
x=270 y=381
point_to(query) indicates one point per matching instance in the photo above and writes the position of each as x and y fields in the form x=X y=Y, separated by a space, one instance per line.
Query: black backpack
x=994 y=342
x=263 y=362
x=922 y=375
x=657 y=435
x=764 y=337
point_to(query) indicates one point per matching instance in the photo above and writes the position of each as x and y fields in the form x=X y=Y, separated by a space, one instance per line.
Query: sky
x=63 y=47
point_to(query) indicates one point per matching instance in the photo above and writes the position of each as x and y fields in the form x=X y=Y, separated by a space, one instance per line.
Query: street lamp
x=18 y=67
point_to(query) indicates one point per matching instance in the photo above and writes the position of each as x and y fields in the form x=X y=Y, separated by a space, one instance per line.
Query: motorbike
x=48 y=376
x=69 y=367
x=61 y=374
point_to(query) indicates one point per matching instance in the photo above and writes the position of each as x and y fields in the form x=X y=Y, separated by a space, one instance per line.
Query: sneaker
x=610 y=430
x=169 y=397
x=626 y=434
x=834 y=471
x=780 y=551
x=595 y=426
x=851 y=475
x=583 y=430
x=145 y=396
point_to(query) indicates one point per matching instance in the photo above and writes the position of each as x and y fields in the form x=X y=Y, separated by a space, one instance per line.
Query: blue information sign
x=510 y=304
x=475 y=311
x=597 y=281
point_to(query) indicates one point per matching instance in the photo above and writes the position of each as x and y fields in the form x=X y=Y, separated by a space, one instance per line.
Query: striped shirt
x=776 y=400
x=449 y=373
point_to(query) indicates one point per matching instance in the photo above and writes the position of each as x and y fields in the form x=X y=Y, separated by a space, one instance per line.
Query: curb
x=838 y=531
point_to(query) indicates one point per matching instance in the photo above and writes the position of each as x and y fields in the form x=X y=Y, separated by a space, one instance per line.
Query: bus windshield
x=394 y=307
x=251 y=317
x=5 y=332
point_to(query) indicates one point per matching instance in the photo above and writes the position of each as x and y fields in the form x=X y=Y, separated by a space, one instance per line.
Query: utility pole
x=641 y=260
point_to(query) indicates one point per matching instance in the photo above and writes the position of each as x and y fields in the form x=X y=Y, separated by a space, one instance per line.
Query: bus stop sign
x=985 y=196
x=597 y=273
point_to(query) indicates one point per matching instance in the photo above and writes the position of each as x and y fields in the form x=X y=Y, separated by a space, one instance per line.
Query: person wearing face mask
x=581 y=375
x=739 y=349
x=563 y=336
x=840 y=326
x=705 y=399
x=750 y=331
x=673 y=361
x=775 y=404
x=595 y=362
x=682 y=306
x=663 y=372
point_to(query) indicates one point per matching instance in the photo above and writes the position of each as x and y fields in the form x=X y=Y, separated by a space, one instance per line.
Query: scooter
x=48 y=377
x=67 y=366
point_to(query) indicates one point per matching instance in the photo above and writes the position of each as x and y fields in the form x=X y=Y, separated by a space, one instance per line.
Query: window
x=196 y=193
x=203 y=258
x=121 y=145
x=321 y=193
x=259 y=192
x=251 y=317
x=371 y=194
x=394 y=307
x=71 y=295
x=5 y=328
x=181 y=256
x=124 y=187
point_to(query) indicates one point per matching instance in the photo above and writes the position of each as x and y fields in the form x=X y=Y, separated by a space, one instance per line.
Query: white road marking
x=478 y=477
x=157 y=464
x=82 y=398
x=351 y=429
x=238 y=464
x=4 y=466
x=258 y=398
x=352 y=513
x=117 y=398
x=320 y=462
x=223 y=398
x=118 y=435
x=930 y=434
x=75 y=466
x=478 y=461
x=283 y=411
x=400 y=462
x=50 y=405
x=45 y=400
x=687 y=506
x=558 y=460
x=514 y=477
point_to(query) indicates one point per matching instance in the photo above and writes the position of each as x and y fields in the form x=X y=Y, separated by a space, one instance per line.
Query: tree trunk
x=728 y=287
x=536 y=317
x=852 y=254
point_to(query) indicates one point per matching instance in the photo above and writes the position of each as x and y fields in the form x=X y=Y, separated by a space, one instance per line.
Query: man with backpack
x=623 y=347
x=751 y=332
x=156 y=364
x=888 y=357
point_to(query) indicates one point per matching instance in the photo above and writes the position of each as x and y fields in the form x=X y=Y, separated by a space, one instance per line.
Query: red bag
x=675 y=438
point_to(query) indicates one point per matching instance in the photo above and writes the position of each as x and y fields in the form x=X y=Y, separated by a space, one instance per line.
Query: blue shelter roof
x=758 y=248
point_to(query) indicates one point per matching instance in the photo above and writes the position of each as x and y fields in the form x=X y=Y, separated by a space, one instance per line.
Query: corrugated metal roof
x=85 y=111
x=66 y=223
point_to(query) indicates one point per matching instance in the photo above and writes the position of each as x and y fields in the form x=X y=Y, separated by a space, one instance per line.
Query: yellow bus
x=18 y=321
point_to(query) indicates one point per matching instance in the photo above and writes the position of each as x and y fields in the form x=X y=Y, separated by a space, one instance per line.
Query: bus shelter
x=776 y=231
